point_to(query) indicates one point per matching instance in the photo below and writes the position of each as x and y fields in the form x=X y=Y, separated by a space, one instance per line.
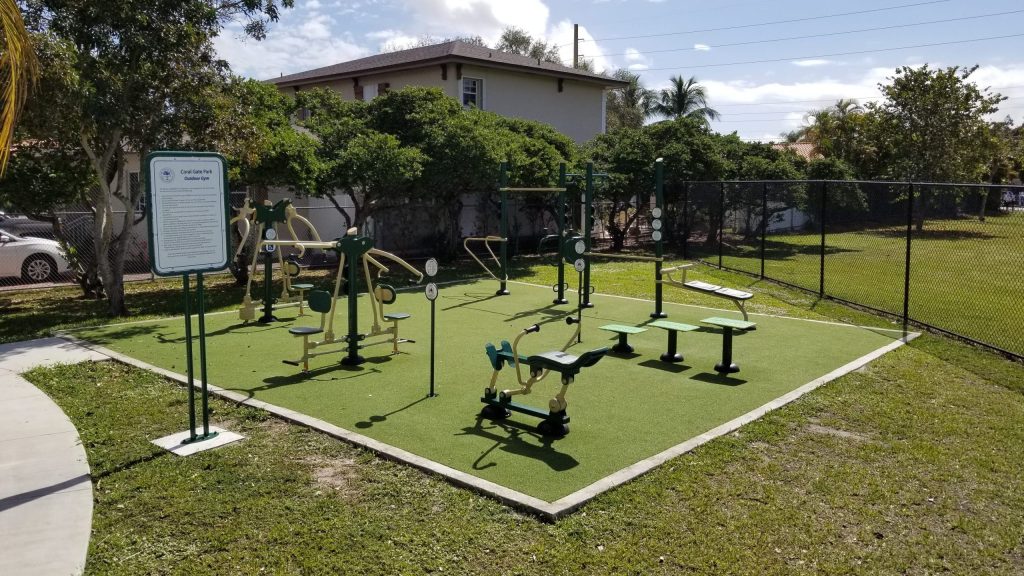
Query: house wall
x=577 y=111
x=428 y=77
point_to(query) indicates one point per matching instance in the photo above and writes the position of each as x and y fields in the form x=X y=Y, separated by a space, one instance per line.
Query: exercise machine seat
x=305 y=330
x=564 y=363
x=498 y=356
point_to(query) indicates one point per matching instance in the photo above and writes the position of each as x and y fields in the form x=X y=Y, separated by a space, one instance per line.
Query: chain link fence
x=949 y=257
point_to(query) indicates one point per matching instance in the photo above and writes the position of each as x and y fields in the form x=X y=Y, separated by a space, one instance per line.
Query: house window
x=473 y=93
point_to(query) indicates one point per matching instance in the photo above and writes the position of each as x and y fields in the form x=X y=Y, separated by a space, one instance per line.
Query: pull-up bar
x=545 y=190
x=624 y=257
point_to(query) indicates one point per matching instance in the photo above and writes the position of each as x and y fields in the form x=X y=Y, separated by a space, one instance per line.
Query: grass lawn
x=966 y=275
x=910 y=465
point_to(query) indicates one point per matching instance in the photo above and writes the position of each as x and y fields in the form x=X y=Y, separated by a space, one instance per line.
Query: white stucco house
x=570 y=100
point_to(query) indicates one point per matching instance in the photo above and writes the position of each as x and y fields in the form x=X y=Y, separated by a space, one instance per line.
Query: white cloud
x=701 y=47
x=811 y=62
x=486 y=18
x=392 y=39
x=317 y=27
x=296 y=43
x=313 y=4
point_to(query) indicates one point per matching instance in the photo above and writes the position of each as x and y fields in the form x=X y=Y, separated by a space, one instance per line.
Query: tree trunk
x=344 y=214
x=920 y=202
x=110 y=177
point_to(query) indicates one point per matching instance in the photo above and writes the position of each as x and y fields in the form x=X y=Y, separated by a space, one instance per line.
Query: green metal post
x=201 y=298
x=268 y=283
x=561 y=215
x=188 y=361
x=821 y=269
x=503 y=274
x=659 y=250
x=353 y=358
x=588 y=204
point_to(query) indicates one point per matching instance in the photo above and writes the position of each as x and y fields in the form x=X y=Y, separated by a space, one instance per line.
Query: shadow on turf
x=314 y=374
x=518 y=439
x=715 y=378
x=665 y=366
x=375 y=419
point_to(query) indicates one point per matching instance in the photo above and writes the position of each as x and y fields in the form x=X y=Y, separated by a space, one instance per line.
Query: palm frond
x=18 y=69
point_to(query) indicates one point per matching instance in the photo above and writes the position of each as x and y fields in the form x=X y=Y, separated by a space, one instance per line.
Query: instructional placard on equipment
x=188 y=212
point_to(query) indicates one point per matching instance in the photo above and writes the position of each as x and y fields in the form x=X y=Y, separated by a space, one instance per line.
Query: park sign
x=189 y=207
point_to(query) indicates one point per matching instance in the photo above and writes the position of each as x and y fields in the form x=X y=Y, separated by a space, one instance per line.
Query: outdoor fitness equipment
x=266 y=217
x=737 y=297
x=656 y=235
x=501 y=260
x=499 y=405
x=351 y=248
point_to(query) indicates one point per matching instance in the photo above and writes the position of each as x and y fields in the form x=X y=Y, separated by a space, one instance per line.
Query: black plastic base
x=730 y=369
x=559 y=301
x=587 y=305
x=268 y=319
x=552 y=428
x=495 y=412
x=622 y=349
x=666 y=357
x=502 y=293
x=352 y=360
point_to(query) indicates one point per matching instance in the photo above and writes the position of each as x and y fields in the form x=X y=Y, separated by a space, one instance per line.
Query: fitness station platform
x=630 y=412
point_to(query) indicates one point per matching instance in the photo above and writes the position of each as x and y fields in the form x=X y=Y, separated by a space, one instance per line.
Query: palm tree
x=628 y=107
x=685 y=98
x=18 y=69
x=833 y=130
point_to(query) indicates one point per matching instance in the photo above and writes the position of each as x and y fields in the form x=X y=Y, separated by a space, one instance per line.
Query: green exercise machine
x=500 y=260
x=353 y=249
x=499 y=405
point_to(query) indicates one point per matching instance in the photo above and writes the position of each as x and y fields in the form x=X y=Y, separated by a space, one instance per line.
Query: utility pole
x=575 y=45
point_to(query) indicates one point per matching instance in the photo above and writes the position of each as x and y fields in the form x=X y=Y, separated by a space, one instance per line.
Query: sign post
x=187 y=198
x=431 y=293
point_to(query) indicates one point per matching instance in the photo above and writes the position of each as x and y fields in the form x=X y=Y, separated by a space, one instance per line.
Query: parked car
x=25 y=226
x=33 y=259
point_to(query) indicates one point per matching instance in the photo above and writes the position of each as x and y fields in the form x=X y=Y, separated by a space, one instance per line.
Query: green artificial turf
x=623 y=409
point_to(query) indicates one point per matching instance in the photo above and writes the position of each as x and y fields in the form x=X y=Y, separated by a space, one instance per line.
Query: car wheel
x=39 y=268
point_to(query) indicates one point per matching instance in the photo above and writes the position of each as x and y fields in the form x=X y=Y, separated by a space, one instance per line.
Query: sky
x=762 y=70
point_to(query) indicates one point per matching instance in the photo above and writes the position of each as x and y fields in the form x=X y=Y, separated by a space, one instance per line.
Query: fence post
x=821 y=270
x=721 y=222
x=764 y=222
x=686 y=223
x=906 y=265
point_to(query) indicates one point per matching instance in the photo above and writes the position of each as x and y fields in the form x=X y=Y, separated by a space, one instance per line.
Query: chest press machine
x=499 y=405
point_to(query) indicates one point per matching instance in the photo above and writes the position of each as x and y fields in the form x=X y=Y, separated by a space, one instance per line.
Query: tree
x=933 y=126
x=685 y=98
x=135 y=68
x=627 y=156
x=630 y=106
x=834 y=130
x=518 y=41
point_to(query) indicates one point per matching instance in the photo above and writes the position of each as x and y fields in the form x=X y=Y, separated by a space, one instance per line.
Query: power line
x=774 y=102
x=821 y=35
x=855 y=52
x=772 y=23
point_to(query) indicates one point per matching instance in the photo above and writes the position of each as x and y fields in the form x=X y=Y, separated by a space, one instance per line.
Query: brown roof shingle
x=454 y=51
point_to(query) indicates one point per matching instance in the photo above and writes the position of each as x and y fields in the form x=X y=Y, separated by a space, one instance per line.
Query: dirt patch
x=338 y=474
x=846 y=435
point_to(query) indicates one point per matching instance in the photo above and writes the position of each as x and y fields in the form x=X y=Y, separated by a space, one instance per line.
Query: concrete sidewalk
x=45 y=489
